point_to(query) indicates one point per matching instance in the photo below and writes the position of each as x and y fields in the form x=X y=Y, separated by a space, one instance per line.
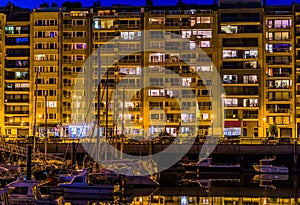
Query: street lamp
x=77 y=106
x=143 y=128
x=264 y=120
x=212 y=124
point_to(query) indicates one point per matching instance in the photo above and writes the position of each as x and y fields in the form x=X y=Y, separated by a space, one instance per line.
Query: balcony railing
x=16 y=123
x=16 y=111
x=250 y=116
x=278 y=110
x=17 y=100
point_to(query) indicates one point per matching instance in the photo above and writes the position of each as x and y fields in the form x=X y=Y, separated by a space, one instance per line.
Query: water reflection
x=250 y=189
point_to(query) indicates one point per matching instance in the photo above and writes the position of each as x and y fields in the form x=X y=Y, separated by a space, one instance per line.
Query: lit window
x=51 y=104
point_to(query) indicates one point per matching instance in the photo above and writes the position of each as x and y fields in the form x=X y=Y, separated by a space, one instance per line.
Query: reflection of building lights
x=205 y=201
x=265 y=202
x=184 y=200
x=141 y=199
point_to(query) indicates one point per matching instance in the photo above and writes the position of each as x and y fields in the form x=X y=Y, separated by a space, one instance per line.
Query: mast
x=98 y=110
x=35 y=106
x=46 y=127
x=106 y=114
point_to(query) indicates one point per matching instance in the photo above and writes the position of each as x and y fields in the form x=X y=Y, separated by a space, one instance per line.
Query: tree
x=273 y=129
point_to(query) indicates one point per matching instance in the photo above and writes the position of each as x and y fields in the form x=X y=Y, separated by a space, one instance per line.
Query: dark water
x=219 y=189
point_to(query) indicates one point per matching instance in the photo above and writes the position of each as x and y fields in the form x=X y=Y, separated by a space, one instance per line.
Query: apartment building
x=45 y=69
x=240 y=62
x=15 y=71
x=279 y=64
x=253 y=46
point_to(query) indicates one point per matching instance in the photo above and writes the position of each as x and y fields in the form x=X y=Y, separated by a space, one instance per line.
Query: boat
x=6 y=176
x=82 y=187
x=140 y=181
x=271 y=177
x=4 y=199
x=206 y=166
x=266 y=166
x=208 y=183
x=134 y=172
x=266 y=180
x=27 y=192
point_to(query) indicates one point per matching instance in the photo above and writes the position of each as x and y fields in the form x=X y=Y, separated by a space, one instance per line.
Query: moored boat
x=206 y=166
x=266 y=166
x=81 y=187
x=26 y=192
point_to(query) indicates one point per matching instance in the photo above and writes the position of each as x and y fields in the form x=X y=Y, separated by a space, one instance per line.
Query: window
x=157 y=57
x=205 y=116
x=52 y=92
x=51 y=104
x=51 y=116
x=39 y=57
x=107 y=24
x=79 y=34
x=231 y=102
x=230 y=79
x=157 y=20
x=79 y=22
x=96 y=24
x=79 y=46
x=52 y=80
x=232 y=132
x=204 y=68
x=250 y=102
x=229 y=29
x=156 y=92
x=130 y=35
x=186 y=81
x=248 y=79
x=205 y=44
x=51 y=34
x=78 y=57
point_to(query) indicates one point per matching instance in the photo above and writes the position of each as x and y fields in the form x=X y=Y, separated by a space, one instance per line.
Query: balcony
x=283 y=110
x=129 y=61
x=231 y=116
x=286 y=99
x=126 y=26
x=274 y=62
x=250 y=116
x=16 y=112
x=280 y=75
x=16 y=123
x=16 y=89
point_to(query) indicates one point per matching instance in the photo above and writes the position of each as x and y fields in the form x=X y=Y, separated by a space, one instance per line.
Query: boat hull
x=91 y=189
x=271 y=169
x=140 y=181
x=194 y=168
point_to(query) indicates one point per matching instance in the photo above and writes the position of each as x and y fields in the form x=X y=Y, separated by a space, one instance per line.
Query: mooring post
x=295 y=156
x=73 y=154
x=28 y=162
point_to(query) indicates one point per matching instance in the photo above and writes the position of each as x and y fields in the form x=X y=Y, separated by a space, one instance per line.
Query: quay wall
x=245 y=155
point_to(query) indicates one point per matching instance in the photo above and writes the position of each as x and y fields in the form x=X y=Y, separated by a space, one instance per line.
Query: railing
x=279 y=110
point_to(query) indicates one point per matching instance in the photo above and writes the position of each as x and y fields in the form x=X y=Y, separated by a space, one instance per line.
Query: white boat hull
x=270 y=169
x=140 y=181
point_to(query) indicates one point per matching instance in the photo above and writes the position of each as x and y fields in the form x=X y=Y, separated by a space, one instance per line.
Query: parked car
x=284 y=140
x=270 y=140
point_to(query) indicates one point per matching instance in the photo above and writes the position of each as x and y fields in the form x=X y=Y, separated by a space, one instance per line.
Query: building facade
x=253 y=46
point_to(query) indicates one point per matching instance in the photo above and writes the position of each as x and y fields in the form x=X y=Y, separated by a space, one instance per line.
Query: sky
x=35 y=3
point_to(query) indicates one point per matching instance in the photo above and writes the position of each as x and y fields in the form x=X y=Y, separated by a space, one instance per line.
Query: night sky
x=33 y=4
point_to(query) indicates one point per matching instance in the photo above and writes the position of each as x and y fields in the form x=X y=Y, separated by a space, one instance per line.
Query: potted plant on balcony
x=273 y=130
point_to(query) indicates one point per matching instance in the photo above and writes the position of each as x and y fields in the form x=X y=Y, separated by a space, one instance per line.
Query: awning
x=232 y=124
